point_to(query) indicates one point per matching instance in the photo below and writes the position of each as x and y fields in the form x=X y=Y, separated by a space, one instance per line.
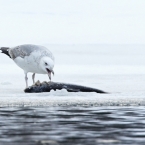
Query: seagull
x=31 y=58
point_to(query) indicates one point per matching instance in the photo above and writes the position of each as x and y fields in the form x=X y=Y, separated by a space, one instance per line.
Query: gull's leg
x=33 y=78
x=26 y=79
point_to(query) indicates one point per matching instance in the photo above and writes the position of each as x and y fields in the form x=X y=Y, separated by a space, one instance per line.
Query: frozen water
x=117 y=69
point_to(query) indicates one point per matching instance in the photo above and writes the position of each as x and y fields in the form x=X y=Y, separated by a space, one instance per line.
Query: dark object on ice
x=48 y=86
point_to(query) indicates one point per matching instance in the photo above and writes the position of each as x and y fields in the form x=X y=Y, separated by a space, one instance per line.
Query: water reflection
x=72 y=125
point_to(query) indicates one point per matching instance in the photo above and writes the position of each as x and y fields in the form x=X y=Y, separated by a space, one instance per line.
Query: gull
x=31 y=58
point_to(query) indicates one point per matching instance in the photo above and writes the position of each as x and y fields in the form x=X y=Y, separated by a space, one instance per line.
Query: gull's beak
x=49 y=73
x=52 y=72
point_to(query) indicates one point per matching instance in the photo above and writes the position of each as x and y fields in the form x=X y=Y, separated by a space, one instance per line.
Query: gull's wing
x=26 y=50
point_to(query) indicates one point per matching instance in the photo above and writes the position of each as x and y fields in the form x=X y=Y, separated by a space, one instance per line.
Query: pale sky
x=72 y=22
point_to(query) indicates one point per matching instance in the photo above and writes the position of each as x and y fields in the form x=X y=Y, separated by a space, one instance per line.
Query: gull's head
x=46 y=65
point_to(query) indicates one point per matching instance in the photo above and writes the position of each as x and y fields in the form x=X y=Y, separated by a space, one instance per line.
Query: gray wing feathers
x=26 y=50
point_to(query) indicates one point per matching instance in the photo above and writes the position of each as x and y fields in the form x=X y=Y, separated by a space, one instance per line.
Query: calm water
x=72 y=125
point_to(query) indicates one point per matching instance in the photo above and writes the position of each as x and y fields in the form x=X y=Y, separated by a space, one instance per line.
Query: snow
x=117 y=69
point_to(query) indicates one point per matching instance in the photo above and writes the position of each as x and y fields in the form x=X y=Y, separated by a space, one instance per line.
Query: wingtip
x=5 y=51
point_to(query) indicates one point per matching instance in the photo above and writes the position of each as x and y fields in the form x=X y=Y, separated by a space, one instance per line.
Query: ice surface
x=117 y=69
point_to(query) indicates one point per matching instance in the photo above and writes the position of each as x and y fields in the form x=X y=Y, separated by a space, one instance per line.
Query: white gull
x=31 y=58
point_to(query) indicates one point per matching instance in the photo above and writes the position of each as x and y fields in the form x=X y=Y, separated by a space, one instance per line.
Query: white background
x=72 y=22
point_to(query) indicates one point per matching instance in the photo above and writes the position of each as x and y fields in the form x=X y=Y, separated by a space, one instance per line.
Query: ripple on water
x=73 y=125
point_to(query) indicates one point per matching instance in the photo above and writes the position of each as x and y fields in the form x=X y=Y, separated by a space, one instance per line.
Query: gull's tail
x=5 y=50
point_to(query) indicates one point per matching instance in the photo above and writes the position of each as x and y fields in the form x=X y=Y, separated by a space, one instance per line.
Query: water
x=73 y=125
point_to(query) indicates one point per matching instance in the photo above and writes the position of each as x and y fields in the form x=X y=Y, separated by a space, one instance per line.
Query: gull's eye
x=45 y=63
